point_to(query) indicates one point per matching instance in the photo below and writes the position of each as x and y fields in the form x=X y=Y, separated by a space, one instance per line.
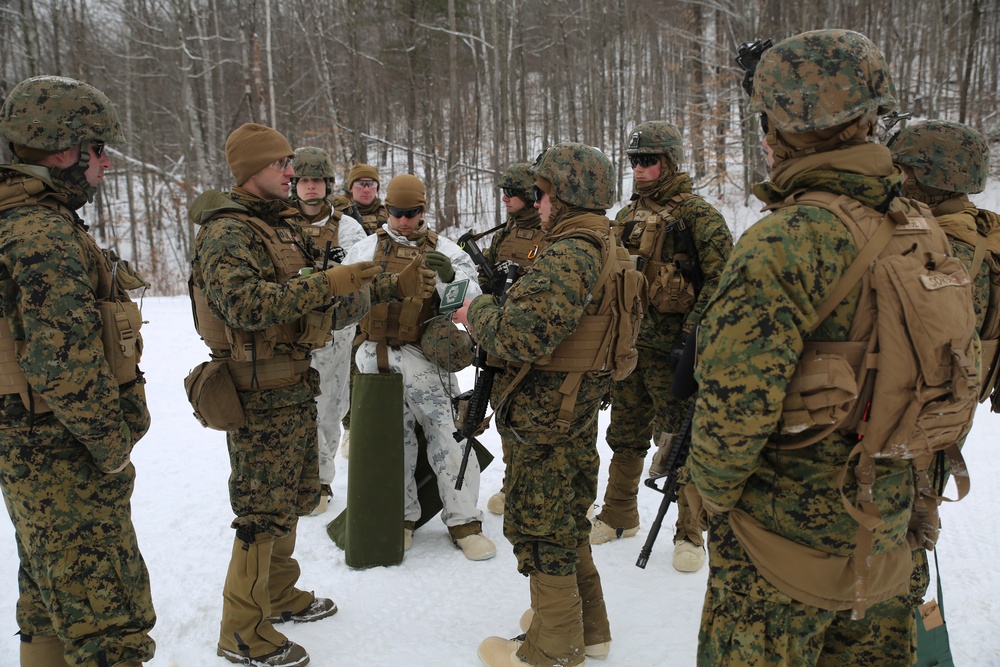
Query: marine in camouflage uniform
x=310 y=189
x=944 y=163
x=273 y=456
x=694 y=242
x=819 y=94
x=552 y=467
x=67 y=432
x=519 y=241
x=404 y=299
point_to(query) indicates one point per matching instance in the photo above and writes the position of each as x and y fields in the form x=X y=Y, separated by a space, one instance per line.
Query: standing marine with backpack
x=809 y=434
x=567 y=328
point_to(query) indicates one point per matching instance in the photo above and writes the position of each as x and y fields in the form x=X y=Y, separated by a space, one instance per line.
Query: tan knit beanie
x=360 y=171
x=405 y=191
x=251 y=147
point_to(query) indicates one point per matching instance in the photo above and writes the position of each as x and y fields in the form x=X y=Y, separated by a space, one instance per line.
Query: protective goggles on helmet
x=644 y=160
x=404 y=212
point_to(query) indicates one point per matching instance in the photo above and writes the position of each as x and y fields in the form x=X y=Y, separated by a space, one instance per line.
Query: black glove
x=677 y=351
x=336 y=254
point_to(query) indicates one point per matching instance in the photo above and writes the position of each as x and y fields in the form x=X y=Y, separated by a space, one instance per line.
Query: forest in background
x=451 y=90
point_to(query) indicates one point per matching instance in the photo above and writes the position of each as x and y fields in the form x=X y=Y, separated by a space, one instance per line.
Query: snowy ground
x=436 y=606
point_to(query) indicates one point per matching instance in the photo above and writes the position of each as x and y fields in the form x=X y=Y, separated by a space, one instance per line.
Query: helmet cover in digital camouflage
x=581 y=175
x=447 y=346
x=656 y=137
x=310 y=162
x=821 y=79
x=54 y=113
x=945 y=155
x=518 y=177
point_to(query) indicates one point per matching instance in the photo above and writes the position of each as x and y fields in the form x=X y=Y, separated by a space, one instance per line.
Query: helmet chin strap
x=77 y=174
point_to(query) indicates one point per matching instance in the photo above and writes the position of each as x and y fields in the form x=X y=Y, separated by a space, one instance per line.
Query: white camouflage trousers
x=427 y=393
x=334 y=365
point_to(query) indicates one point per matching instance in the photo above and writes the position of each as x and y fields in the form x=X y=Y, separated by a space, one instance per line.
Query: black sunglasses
x=644 y=160
x=513 y=192
x=404 y=212
x=763 y=123
x=537 y=192
x=97 y=147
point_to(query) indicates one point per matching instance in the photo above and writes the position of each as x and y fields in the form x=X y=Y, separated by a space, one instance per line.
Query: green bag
x=933 y=649
x=370 y=530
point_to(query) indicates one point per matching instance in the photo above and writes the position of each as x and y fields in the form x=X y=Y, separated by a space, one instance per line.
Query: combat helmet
x=447 y=346
x=945 y=155
x=54 y=113
x=656 y=137
x=581 y=175
x=311 y=162
x=821 y=79
x=518 y=177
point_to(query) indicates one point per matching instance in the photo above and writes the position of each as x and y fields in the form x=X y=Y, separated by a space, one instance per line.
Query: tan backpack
x=906 y=381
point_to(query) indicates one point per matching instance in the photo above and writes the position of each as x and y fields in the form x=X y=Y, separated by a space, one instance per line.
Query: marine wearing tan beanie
x=360 y=171
x=251 y=147
x=405 y=191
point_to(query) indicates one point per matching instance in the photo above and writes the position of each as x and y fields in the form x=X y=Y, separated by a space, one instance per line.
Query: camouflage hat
x=54 y=113
x=820 y=79
x=656 y=137
x=310 y=162
x=518 y=177
x=447 y=346
x=581 y=175
x=944 y=155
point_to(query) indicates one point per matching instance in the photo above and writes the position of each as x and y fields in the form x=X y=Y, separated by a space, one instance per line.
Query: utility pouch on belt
x=823 y=389
x=670 y=291
x=212 y=394
x=120 y=336
x=242 y=344
x=317 y=328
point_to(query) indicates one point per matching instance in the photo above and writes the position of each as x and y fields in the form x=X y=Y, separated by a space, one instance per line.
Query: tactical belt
x=281 y=370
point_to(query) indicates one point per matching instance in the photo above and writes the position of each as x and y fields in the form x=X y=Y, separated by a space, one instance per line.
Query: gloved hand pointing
x=349 y=278
x=441 y=263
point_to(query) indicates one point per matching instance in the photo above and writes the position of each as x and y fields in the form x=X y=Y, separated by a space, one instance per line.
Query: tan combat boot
x=42 y=651
x=619 y=515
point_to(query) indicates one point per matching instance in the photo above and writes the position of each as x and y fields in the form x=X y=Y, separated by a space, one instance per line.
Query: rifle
x=472 y=405
x=748 y=57
x=684 y=387
x=675 y=461
x=890 y=121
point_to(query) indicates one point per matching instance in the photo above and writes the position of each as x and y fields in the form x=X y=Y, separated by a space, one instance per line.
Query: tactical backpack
x=985 y=242
x=905 y=383
x=605 y=341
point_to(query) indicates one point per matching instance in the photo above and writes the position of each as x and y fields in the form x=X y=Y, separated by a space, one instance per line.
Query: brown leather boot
x=42 y=651
x=619 y=515
x=246 y=600
x=556 y=632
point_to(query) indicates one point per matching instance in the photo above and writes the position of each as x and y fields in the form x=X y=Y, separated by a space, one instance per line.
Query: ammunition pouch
x=395 y=322
x=317 y=328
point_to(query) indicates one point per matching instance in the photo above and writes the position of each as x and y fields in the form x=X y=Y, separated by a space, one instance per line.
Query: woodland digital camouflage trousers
x=81 y=575
x=274 y=462
x=747 y=622
x=551 y=474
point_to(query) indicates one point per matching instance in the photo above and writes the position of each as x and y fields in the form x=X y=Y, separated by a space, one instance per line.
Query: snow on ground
x=435 y=607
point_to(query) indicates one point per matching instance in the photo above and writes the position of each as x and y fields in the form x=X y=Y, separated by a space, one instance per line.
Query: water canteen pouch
x=669 y=290
x=120 y=336
x=212 y=393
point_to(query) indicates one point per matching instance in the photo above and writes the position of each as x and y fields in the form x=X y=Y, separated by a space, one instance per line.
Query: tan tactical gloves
x=415 y=280
x=349 y=278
